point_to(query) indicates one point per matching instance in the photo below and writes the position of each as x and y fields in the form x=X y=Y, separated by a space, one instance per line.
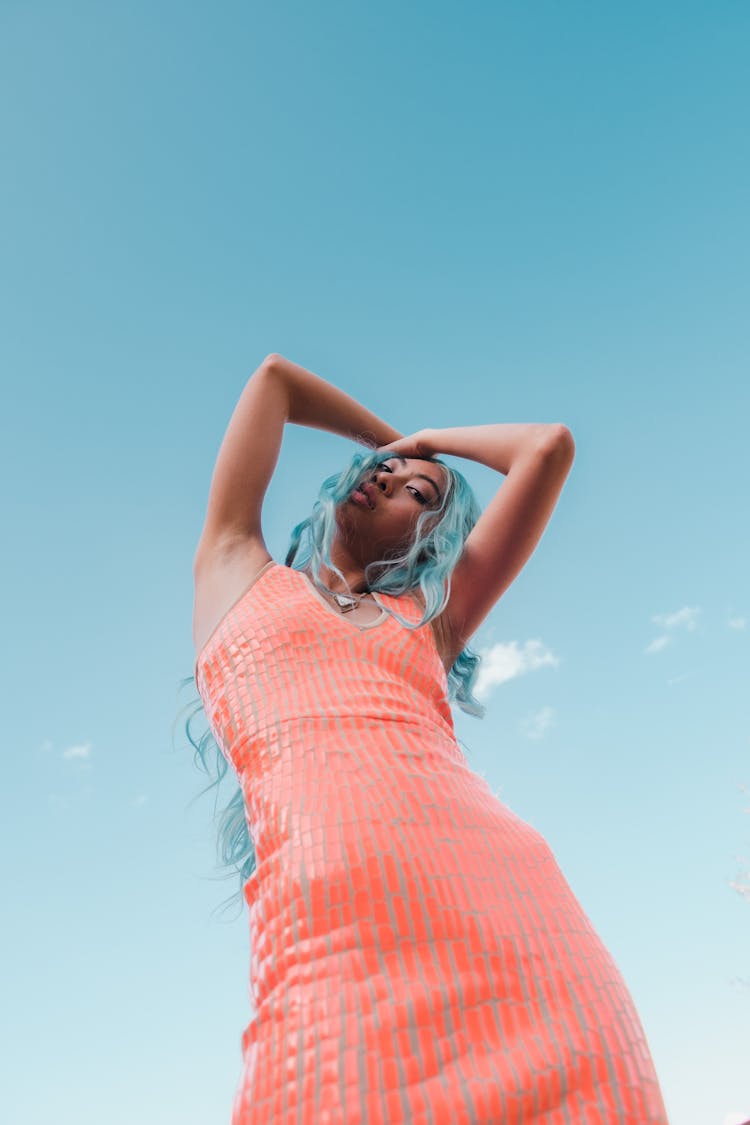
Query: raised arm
x=279 y=391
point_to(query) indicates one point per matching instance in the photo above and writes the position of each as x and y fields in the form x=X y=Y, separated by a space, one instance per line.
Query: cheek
x=409 y=516
x=402 y=512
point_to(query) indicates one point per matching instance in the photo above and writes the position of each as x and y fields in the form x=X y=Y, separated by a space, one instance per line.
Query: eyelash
x=422 y=499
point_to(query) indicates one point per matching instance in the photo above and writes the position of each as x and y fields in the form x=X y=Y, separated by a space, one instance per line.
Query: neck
x=351 y=568
x=354 y=578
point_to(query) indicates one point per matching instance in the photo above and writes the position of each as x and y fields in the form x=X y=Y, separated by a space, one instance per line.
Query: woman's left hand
x=421 y=444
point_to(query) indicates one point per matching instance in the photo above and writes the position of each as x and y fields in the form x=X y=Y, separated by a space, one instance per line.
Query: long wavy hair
x=425 y=563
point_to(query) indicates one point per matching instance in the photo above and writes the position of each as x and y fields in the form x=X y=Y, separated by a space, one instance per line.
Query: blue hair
x=234 y=845
x=425 y=563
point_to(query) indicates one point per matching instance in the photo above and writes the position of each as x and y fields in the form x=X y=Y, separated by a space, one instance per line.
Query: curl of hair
x=234 y=846
x=424 y=563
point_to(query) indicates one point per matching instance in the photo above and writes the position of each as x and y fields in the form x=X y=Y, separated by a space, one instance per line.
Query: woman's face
x=382 y=513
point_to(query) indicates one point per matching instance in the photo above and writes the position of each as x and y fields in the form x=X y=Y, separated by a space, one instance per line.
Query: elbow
x=559 y=441
x=277 y=365
x=273 y=362
x=270 y=363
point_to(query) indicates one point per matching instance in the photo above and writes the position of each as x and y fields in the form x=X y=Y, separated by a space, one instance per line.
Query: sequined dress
x=417 y=955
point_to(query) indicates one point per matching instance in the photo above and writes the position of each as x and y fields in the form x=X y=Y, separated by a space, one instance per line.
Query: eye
x=413 y=491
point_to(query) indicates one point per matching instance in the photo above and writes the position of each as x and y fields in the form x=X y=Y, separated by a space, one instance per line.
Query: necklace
x=345 y=602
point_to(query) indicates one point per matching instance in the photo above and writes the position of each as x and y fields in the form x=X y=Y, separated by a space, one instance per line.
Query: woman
x=417 y=955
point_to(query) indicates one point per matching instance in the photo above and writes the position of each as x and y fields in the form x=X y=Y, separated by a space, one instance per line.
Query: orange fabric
x=416 y=954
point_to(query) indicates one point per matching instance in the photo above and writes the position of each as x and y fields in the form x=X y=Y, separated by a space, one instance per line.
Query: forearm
x=314 y=402
x=499 y=444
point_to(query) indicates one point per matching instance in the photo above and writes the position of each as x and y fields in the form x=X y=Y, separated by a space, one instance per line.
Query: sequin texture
x=417 y=956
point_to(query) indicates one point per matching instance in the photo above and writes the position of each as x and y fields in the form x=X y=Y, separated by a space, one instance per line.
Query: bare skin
x=383 y=517
x=534 y=458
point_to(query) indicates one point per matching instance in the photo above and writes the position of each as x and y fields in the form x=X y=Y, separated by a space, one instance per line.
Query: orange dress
x=416 y=954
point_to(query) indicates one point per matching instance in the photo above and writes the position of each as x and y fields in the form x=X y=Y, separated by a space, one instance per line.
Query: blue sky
x=460 y=214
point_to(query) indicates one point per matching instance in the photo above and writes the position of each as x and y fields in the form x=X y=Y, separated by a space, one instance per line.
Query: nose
x=378 y=479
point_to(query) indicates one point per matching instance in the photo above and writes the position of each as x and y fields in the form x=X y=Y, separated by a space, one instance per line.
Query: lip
x=360 y=497
x=369 y=491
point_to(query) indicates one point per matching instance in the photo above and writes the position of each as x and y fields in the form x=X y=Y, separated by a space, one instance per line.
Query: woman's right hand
x=423 y=444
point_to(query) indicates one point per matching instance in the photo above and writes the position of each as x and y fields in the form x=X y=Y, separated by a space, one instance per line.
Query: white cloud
x=140 y=800
x=657 y=644
x=742 y=888
x=537 y=724
x=686 y=616
x=503 y=662
x=737 y=622
x=83 y=750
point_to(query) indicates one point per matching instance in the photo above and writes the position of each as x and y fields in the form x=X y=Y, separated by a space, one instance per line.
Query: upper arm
x=505 y=535
x=246 y=460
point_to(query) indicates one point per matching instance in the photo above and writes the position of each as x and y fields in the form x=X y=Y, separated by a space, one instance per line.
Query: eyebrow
x=400 y=457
